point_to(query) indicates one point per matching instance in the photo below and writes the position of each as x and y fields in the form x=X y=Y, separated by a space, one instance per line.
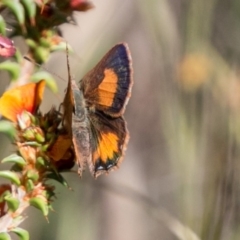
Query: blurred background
x=180 y=178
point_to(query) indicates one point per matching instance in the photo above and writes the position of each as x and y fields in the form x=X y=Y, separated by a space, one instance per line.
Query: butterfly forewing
x=107 y=87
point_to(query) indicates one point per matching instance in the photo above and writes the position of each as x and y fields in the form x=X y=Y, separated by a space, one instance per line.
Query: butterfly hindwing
x=109 y=137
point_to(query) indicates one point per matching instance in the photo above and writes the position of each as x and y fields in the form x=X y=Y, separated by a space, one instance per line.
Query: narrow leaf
x=7 y=128
x=22 y=233
x=41 y=54
x=57 y=177
x=13 y=203
x=31 y=9
x=2 y=26
x=12 y=176
x=40 y=204
x=14 y=158
x=17 y=10
x=50 y=81
x=41 y=162
x=32 y=174
x=29 y=185
x=4 y=236
x=12 y=68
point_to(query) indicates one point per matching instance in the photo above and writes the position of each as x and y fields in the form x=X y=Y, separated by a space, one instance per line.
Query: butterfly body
x=94 y=109
x=80 y=128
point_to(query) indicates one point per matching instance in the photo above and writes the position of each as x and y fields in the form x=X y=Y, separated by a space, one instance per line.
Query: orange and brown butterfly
x=93 y=112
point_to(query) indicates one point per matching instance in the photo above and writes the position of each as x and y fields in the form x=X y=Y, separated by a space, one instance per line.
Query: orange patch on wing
x=61 y=153
x=60 y=147
x=108 y=88
x=24 y=98
x=108 y=144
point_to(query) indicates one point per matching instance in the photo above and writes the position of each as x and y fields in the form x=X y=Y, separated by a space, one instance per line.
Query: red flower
x=7 y=48
x=80 y=5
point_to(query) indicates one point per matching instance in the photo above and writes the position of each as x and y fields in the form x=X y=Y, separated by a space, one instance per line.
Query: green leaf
x=50 y=81
x=12 y=176
x=13 y=68
x=33 y=175
x=18 y=56
x=22 y=233
x=57 y=177
x=4 y=236
x=14 y=158
x=2 y=26
x=31 y=9
x=45 y=147
x=44 y=42
x=32 y=44
x=40 y=204
x=49 y=194
x=7 y=128
x=4 y=194
x=16 y=168
x=32 y=143
x=41 y=162
x=13 y=203
x=17 y=10
x=29 y=185
x=41 y=54
x=29 y=134
x=39 y=137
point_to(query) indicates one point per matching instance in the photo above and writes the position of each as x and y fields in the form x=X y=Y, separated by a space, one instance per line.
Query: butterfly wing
x=107 y=87
x=109 y=137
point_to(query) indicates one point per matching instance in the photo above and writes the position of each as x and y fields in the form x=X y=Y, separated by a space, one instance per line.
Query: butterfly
x=93 y=112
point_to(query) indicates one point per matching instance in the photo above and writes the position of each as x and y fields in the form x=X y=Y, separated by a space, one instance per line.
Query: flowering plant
x=43 y=149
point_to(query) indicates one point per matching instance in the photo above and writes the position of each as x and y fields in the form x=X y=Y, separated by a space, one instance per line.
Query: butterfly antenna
x=44 y=68
x=68 y=65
